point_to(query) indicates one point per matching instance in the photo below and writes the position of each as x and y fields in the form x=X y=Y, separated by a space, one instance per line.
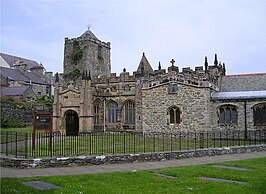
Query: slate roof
x=35 y=78
x=89 y=34
x=238 y=95
x=16 y=75
x=10 y=59
x=145 y=63
x=244 y=82
x=13 y=91
x=13 y=74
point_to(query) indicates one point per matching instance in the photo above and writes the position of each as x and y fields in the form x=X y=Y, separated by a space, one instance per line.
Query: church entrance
x=72 y=123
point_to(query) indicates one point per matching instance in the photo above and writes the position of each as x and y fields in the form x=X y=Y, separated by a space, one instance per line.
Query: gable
x=10 y=60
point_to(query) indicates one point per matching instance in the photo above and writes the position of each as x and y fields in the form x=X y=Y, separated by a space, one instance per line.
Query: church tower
x=88 y=53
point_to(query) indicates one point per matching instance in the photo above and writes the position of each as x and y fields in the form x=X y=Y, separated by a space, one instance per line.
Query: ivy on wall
x=74 y=74
x=77 y=52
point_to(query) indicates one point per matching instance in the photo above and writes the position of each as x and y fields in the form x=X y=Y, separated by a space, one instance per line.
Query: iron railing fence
x=41 y=144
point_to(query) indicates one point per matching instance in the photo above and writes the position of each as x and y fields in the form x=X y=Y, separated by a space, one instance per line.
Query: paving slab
x=222 y=180
x=232 y=168
x=166 y=176
x=39 y=185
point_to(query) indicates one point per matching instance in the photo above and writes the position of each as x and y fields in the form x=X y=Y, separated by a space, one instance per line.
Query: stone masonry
x=92 y=98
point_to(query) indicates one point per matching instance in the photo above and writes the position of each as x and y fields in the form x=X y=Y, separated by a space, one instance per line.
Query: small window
x=39 y=93
x=47 y=90
x=173 y=114
x=100 y=52
x=227 y=115
x=259 y=114
x=96 y=114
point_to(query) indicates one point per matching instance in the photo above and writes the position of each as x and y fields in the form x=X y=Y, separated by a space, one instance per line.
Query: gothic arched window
x=259 y=114
x=173 y=115
x=112 y=112
x=227 y=115
x=97 y=112
x=129 y=112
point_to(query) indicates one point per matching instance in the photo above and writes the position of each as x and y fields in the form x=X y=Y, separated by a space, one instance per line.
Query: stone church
x=88 y=97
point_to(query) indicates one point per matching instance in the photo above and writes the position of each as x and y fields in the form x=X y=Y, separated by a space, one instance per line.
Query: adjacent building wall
x=193 y=103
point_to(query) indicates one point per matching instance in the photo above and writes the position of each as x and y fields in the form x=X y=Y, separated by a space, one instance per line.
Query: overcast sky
x=184 y=30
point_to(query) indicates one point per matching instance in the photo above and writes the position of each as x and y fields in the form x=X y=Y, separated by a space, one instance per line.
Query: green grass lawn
x=13 y=134
x=20 y=129
x=186 y=181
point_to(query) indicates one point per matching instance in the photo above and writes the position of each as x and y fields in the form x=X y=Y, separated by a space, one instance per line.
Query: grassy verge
x=186 y=181
x=27 y=129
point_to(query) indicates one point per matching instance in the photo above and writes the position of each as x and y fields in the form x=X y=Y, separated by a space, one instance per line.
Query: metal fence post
x=16 y=144
x=144 y=146
x=6 y=143
x=201 y=140
x=124 y=142
x=195 y=136
x=26 y=142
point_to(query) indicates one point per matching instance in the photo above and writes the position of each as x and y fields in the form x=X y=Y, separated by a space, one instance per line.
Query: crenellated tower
x=88 y=53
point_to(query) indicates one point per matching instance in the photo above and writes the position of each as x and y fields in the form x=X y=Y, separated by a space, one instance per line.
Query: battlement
x=197 y=78
x=94 y=40
x=113 y=78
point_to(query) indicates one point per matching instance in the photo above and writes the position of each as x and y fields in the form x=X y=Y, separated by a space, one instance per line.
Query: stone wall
x=193 y=103
x=40 y=90
x=122 y=158
x=21 y=113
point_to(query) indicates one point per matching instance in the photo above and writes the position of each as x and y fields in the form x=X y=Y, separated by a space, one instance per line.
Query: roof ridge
x=248 y=74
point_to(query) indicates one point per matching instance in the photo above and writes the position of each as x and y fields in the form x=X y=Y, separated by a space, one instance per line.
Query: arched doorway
x=72 y=123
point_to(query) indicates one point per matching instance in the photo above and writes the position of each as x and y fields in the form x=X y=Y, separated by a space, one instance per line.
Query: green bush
x=6 y=123
x=46 y=101
x=8 y=100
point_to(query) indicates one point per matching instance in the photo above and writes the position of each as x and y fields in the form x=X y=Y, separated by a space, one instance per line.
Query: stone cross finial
x=173 y=62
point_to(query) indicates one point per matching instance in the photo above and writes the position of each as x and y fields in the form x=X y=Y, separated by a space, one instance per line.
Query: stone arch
x=71 y=122
x=173 y=115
